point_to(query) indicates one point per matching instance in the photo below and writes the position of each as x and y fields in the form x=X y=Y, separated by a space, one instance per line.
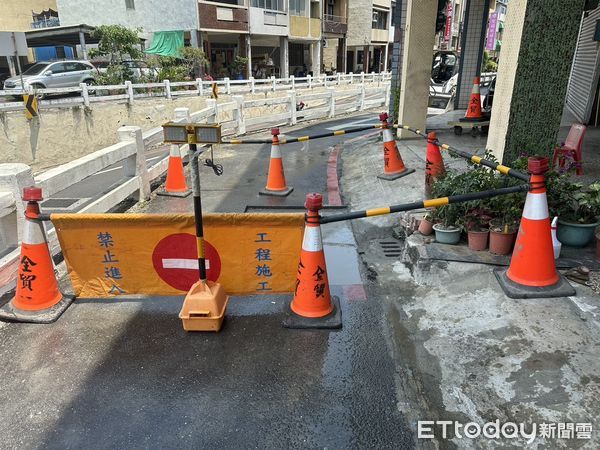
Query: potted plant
x=447 y=230
x=239 y=66
x=578 y=212
x=507 y=210
x=477 y=223
x=426 y=225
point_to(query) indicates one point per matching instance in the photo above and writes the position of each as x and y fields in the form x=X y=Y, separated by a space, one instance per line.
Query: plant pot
x=501 y=243
x=447 y=235
x=425 y=227
x=575 y=234
x=478 y=239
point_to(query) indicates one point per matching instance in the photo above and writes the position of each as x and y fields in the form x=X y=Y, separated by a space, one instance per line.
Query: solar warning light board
x=191 y=133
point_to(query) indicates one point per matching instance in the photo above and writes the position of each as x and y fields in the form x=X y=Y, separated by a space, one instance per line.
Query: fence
x=129 y=92
x=232 y=115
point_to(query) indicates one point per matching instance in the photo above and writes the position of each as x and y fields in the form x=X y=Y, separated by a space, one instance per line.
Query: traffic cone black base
x=484 y=118
x=10 y=314
x=284 y=193
x=331 y=321
x=395 y=176
x=513 y=290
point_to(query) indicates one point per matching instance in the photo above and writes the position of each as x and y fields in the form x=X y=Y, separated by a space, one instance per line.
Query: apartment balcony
x=46 y=23
x=305 y=27
x=223 y=16
x=334 y=24
x=379 y=36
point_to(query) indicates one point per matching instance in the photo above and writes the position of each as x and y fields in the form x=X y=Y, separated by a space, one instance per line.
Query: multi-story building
x=335 y=27
x=369 y=35
x=279 y=37
x=150 y=15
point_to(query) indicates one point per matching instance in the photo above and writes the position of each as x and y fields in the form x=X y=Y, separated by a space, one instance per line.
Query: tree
x=117 y=41
x=194 y=59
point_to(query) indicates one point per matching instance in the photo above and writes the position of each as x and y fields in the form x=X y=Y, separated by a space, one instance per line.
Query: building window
x=393 y=14
x=129 y=4
x=275 y=5
x=298 y=7
x=380 y=20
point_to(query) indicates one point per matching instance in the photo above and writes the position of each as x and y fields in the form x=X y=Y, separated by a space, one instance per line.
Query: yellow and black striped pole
x=193 y=152
x=473 y=158
x=433 y=203
x=303 y=138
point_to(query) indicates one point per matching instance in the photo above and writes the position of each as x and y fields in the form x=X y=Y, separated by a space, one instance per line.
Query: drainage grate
x=391 y=249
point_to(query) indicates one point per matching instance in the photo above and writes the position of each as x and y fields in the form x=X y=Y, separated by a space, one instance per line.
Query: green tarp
x=166 y=43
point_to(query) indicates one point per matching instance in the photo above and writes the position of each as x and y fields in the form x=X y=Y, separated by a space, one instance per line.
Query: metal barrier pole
x=194 y=154
x=436 y=202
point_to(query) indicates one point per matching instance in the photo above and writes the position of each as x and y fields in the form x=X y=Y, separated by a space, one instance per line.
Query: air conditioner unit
x=375 y=16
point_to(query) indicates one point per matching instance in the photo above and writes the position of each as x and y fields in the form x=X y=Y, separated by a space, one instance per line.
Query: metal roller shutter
x=584 y=72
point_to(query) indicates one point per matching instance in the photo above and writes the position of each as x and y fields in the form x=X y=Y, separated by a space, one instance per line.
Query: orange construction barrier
x=474 y=112
x=532 y=272
x=175 y=185
x=434 y=163
x=276 y=179
x=312 y=305
x=393 y=166
x=37 y=297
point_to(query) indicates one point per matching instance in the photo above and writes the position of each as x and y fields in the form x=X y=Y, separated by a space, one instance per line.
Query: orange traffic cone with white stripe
x=532 y=272
x=474 y=113
x=37 y=298
x=276 y=179
x=312 y=305
x=175 y=185
x=434 y=163
x=393 y=166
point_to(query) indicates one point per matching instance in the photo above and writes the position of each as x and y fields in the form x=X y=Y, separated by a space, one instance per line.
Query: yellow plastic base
x=204 y=307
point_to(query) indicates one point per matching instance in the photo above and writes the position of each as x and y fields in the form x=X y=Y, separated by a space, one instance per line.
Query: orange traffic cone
x=37 y=298
x=434 y=163
x=312 y=305
x=532 y=271
x=474 y=113
x=175 y=185
x=393 y=166
x=276 y=178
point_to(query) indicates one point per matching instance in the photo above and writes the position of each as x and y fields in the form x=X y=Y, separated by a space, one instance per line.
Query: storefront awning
x=166 y=43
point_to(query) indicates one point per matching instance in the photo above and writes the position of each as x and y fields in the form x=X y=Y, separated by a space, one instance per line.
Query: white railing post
x=200 y=86
x=85 y=95
x=373 y=77
x=339 y=78
x=212 y=103
x=129 y=92
x=331 y=102
x=309 y=81
x=293 y=81
x=252 y=85
x=135 y=165
x=167 y=89
x=239 y=114
x=292 y=106
x=227 y=86
x=361 y=98
x=13 y=178
x=351 y=77
x=325 y=80
x=362 y=77
x=273 y=81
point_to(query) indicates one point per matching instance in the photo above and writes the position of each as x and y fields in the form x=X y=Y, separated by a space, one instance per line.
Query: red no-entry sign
x=175 y=260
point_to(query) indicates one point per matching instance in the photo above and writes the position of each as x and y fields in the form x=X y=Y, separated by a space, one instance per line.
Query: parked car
x=48 y=74
x=138 y=69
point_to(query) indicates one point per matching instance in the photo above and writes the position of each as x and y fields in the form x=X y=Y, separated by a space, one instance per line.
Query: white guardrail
x=128 y=91
x=133 y=143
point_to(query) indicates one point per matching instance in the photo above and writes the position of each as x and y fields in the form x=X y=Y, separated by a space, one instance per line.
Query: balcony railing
x=45 y=23
x=334 y=24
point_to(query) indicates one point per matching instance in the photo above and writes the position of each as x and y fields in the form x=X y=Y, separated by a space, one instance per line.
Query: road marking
x=174 y=263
